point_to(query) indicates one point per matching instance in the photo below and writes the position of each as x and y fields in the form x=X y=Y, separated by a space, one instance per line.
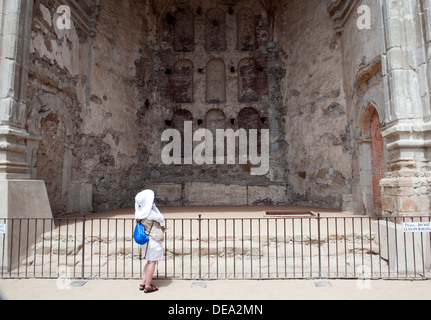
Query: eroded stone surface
x=102 y=92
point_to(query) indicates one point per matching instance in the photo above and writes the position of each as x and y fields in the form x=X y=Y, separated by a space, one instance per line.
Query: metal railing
x=213 y=248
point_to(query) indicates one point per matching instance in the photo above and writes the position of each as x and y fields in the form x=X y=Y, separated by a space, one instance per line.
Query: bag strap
x=150 y=229
x=146 y=250
x=148 y=234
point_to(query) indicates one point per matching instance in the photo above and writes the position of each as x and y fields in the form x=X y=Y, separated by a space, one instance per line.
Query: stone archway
x=371 y=159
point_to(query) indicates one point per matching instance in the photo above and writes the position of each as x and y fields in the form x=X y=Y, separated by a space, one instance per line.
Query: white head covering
x=145 y=207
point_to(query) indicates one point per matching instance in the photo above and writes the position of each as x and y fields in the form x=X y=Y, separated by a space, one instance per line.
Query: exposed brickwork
x=377 y=161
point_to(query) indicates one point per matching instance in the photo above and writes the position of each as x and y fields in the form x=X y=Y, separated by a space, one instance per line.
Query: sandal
x=150 y=289
x=142 y=287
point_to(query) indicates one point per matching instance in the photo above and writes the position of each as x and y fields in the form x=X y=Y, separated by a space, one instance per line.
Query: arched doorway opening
x=372 y=160
x=377 y=160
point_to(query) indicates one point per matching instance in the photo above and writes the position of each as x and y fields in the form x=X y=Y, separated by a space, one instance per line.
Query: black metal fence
x=230 y=248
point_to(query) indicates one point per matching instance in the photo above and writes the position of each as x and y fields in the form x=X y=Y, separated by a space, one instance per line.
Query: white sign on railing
x=417 y=227
x=2 y=229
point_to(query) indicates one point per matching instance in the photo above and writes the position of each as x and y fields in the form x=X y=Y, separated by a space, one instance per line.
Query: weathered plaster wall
x=318 y=132
x=110 y=120
x=363 y=84
x=57 y=80
x=84 y=90
x=107 y=97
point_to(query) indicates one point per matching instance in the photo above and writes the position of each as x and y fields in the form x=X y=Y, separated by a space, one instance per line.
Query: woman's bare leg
x=149 y=270
x=144 y=278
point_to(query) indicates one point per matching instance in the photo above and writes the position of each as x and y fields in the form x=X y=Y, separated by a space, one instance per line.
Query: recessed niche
x=215 y=33
x=216 y=81
x=184 y=39
x=181 y=82
x=246 y=22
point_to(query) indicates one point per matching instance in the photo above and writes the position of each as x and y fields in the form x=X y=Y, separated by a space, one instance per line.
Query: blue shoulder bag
x=139 y=234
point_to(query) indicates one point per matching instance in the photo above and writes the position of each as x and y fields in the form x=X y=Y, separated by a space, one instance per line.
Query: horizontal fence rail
x=228 y=248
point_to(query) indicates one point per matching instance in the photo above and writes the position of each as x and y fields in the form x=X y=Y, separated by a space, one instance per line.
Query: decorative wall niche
x=215 y=119
x=246 y=22
x=249 y=118
x=181 y=82
x=248 y=81
x=178 y=120
x=184 y=39
x=216 y=81
x=252 y=81
x=215 y=30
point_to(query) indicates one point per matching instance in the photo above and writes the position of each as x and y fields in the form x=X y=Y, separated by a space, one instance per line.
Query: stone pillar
x=406 y=189
x=20 y=197
x=14 y=42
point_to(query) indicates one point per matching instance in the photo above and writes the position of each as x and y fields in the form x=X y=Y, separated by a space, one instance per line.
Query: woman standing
x=150 y=217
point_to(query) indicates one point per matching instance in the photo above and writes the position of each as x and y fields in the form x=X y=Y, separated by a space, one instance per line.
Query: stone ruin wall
x=212 y=69
x=100 y=102
x=363 y=85
x=86 y=106
x=332 y=80
x=318 y=132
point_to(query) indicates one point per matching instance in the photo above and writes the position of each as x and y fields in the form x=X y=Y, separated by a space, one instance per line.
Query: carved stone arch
x=371 y=119
x=246 y=26
x=372 y=100
x=215 y=30
x=182 y=82
x=216 y=81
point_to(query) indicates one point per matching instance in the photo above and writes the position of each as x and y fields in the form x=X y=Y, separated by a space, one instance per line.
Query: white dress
x=153 y=250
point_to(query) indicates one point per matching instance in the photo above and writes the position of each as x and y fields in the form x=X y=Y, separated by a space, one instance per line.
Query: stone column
x=15 y=22
x=406 y=187
x=20 y=197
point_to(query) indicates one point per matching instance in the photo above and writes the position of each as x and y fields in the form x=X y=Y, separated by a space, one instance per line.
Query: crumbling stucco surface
x=94 y=81
x=102 y=93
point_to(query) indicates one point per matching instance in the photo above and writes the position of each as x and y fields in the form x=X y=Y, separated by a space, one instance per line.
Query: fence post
x=200 y=245
x=319 y=242
x=83 y=248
